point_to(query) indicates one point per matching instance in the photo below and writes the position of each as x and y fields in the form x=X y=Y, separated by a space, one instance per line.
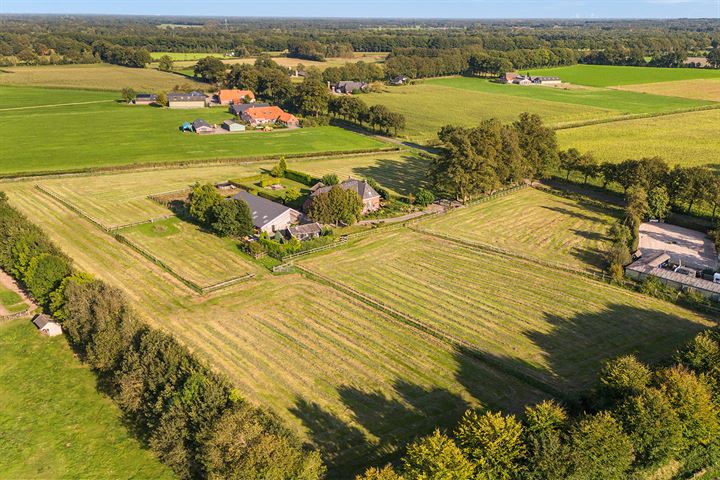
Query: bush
x=300 y=177
x=319 y=121
x=424 y=197
x=266 y=182
x=253 y=248
x=330 y=179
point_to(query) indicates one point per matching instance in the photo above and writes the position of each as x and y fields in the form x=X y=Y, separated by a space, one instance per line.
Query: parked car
x=716 y=278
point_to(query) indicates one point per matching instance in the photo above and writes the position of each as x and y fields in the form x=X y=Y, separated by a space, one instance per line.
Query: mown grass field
x=625 y=102
x=337 y=371
x=611 y=76
x=702 y=89
x=95 y=77
x=201 y=257
x=543 y=323
x=53 y=422
x=428 y=107
x=10 y=302
x=112 y=134
x=688 y=139
x=536 y=224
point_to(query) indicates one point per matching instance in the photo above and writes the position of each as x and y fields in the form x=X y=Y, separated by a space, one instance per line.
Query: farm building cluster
x=678 y=257
x=518 y=79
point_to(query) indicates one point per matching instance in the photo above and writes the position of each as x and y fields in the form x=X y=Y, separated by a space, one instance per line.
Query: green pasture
x=428 y=107
x=610 y=76
x=534 y=224
x=624 y=102
x=10 y=301
x=19 y=98
x=115 y=134
x=688 y=139
x=53 y=422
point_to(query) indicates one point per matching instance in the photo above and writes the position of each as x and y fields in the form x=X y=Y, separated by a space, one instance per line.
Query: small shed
x=201 y=126
x=305 y=232
x=47 y=325
x=233 y=126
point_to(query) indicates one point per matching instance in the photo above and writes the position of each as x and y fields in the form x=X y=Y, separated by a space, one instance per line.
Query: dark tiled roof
x=350 y=86
x=362 y=188
x=186 y=97
x=263 y=210
x=238 y=109
x=199 y=122
x=41 y=320
x=145 y=96
x=308 y=228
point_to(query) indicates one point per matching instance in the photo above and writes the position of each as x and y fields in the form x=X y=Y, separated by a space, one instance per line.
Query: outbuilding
x=269 y=216
x=305 y=232
x=47 y=325
x=145 y=99
x=201 y=126
x=187 y=100
x=233 y=126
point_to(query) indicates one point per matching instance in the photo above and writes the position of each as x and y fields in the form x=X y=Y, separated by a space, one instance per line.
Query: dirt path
x=54 y=105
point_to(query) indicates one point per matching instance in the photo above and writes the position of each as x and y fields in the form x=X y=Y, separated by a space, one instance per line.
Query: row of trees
x=353 y=109
x=190 y=416
x=639 y=422
x=478 y=160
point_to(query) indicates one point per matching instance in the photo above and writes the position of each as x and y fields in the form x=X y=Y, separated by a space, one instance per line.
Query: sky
x=379 y=8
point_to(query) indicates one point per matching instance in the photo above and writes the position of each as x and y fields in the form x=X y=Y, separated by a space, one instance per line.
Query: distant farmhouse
x=349 y=87
x=259 y=116
x=401 y=80
x=517 y=79
x=187 y=100
x=234 y=96
x=268 y=216
x=370 y=198
x=239 y=108
x=47 y=325
x=145 y=99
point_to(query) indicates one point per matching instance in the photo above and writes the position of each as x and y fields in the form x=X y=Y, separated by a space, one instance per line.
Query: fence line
x=408 y=320
x=116 y=228
x=13 y=316
x=73 y=208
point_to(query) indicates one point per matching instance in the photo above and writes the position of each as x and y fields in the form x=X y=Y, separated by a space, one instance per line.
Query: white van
x=716 y=278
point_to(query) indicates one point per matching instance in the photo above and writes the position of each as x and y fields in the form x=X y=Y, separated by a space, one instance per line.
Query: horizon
x=467 y=10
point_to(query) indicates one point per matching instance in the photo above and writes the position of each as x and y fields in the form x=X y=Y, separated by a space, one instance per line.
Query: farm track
x=54 y=105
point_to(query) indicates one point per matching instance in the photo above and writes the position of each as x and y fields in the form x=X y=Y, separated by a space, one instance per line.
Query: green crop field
x=543 y=323
x=202 y=258
x=428 y=107
x=112 y=134
x=624 y=102
x=533 y=223
x=54 y=423
x=95 y=77
x=610 y=76
x=703 y=89
x=687 y=139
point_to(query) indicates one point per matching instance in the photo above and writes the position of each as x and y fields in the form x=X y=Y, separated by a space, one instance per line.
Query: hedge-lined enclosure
x=188 y=415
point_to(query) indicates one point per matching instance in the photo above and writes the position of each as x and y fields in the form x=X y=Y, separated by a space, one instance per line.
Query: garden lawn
x=54 y=424
x=98 y=76
x=688 y=139
x=546 y=325
x=536 y=224
x=428 y=107
x=110 y=134
x=610 y=76
x=703 y=89
x=200 y=257
x=622 y=101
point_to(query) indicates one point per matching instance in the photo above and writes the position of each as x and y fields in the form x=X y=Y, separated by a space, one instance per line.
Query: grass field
x=688 y=139
x=625 y=102
x=553 y=326
x=428 y=107
x=611 y=76
x=702 y=89
x=10 y=302
x=533 y=223
x=96 y=77
x=201 y=257
x=53 y=422
x=111 y=134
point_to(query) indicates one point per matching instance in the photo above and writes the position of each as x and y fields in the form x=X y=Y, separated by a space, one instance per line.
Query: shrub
x=279 y=170
x=319 y=121
x=424 y=197
x=300 y=177
x=266 y=182
x=253 y=248
x=330 y=179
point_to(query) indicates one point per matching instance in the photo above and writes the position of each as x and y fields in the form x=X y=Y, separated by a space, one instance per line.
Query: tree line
x=190 y=416
x=637 y=422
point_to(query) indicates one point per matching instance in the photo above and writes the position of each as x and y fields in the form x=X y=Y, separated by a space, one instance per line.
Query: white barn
x=47 y=325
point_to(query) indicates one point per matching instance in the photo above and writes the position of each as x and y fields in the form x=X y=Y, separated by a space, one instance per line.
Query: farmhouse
x=508 y=77
x=546 y=80
x=268 y=216
x=349 y=87
x=234 y=96
x=47 y=325
x=239 y=108
x=305 y=232
x=656 y=266
x=522 y=80
x=401 y=80
x=257 y=116
x=233 y=126
x=187 y=100
x=370 y=198
x=145 y=99
x=201 y=126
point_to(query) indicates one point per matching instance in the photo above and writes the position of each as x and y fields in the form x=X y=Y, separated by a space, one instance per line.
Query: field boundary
x=635 y=116
x=133 y=167
x=412 y=322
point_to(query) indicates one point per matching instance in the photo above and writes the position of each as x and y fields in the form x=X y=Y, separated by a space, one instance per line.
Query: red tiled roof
x=235 y=96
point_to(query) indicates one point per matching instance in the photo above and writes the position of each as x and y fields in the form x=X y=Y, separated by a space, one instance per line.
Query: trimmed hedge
x=301 y=177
